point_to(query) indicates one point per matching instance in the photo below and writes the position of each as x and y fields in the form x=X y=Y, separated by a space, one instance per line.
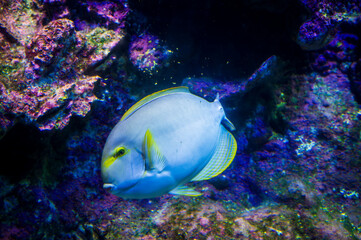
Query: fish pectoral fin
x=184 y=190
x=154 y=159
x=222 y=157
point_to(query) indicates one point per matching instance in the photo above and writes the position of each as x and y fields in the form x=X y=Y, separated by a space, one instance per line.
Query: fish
x=164 y=141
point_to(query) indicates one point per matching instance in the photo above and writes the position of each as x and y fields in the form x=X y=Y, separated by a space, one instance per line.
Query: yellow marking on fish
x=117 y=153
x=154 y=158
x=109 y=161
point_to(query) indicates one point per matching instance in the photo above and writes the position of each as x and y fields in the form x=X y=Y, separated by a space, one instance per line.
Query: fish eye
x=121 y=151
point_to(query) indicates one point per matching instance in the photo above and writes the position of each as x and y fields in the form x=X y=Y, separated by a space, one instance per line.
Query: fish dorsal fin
x=154 y=159
x=222 y=157
x=152 y=97
x=184 y=190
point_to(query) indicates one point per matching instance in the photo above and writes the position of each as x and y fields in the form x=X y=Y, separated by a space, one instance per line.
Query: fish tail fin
x=221 y=159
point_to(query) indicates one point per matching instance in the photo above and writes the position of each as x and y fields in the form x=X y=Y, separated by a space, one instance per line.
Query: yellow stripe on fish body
x=172 y=137
x=118 y=152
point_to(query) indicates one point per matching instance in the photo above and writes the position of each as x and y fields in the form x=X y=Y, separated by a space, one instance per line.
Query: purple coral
x=90 y=14
x=326 y=16
x=146 y=53
x=314 y=34
x=53 y=88
x=49 y=47
x=112 y=13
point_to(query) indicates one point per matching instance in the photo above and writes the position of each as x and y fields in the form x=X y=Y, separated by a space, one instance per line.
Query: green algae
x=12 y=66
x=102 y=38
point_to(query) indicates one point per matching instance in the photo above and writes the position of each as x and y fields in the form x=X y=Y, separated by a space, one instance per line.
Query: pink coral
x=146 y=53
x=37 y=103
x=52 y=87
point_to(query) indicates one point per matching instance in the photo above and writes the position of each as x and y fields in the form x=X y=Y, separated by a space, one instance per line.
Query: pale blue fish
x=164 y=141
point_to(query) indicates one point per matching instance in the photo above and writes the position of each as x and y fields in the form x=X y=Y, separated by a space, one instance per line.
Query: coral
x=42 y=95
x=53 y=86
x=19 y=20
x=50 y=47
x=105 y=40
x=192 y=221
x=208 y=88
x=88 y=14
x=269 y=72
x=113 y=14
x=43 y=68
x=257 y=132
x=325 y=17
x=147 y=54
x=53 y=108
x=315 y=34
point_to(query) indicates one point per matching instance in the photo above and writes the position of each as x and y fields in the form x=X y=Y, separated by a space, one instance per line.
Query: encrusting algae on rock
x=53 y=86
x=50 y=92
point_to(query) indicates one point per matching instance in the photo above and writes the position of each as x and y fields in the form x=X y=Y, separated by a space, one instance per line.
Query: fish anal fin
x=222 y=157
x=186 y=191
x=154 y=159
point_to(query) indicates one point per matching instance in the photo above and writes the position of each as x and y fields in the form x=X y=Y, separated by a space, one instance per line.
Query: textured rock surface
x=44 y=82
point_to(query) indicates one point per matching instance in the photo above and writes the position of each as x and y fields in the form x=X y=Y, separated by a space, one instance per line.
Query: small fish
x=164 y=141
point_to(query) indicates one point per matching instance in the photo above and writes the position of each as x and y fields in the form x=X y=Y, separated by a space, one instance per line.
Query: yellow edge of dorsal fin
x=149 y=98
x=221 y=159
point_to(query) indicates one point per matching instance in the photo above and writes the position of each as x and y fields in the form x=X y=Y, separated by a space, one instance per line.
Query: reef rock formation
x=43 y=79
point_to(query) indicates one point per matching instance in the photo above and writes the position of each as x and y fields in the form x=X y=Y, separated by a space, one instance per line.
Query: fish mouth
x=108 y=186
x=118 y=189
